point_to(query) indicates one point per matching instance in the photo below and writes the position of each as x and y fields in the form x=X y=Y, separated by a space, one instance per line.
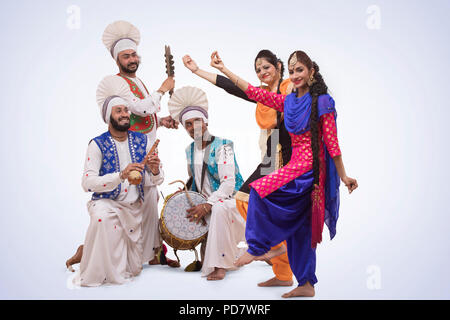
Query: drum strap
x=205 y=161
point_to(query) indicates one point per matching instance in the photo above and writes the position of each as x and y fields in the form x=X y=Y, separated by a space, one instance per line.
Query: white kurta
x=146 y=107
x=151 y=237
x=226 y=226
x=113 y=247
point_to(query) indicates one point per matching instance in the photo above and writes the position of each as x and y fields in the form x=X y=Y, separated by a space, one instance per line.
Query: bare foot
x=274 y=282
x=306 y=290
x=217 y=274
x=75 y=259
x=272 y=253
x=246 y=258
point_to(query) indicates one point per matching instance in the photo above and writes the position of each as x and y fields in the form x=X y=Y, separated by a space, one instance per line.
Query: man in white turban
x=214 y=173
x=113 y=247
x=121 y=38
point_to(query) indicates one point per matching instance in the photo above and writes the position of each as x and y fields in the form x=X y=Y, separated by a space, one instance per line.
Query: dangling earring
x=311 y=81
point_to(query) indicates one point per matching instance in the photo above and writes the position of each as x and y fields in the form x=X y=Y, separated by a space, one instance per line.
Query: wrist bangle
x=160 y=91
x=194 y=71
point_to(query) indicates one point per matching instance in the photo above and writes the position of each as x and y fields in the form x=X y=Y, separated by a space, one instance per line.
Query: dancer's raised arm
x=217 y=63
x=216 y=79
x=269 y=99
x=192 y=65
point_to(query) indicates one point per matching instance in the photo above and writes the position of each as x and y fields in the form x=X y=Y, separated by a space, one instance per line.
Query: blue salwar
x=285 y=214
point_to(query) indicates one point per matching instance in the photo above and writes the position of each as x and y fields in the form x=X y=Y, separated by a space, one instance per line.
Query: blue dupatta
x=297 y=112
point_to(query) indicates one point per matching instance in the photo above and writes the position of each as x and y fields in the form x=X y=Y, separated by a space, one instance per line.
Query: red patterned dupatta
x=318 y=206
x=138 y=123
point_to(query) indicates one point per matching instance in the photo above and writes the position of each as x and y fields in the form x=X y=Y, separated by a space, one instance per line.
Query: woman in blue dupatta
x=294 y=202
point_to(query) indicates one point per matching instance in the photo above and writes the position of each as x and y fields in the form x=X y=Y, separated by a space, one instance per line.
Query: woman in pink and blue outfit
x=294 y=202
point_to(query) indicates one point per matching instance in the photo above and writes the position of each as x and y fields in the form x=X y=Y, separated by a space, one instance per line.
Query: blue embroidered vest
x=212 y=168
x=137 y=143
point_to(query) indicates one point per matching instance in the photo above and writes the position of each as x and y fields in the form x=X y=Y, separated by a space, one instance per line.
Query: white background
x=385 y=62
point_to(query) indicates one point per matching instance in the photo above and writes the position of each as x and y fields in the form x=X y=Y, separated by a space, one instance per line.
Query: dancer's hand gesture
x=216 y=61
x=189 y=63
x=350 y=183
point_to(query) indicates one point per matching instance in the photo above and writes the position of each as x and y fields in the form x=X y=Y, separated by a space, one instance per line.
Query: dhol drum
x=176 y=230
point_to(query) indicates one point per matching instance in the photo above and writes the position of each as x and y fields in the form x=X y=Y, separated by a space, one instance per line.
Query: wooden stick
x=191 y=203
x=149 y=154
x=135 y=177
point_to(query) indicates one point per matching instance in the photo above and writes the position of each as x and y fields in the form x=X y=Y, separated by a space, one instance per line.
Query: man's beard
x=126 y=69
x=119 y=127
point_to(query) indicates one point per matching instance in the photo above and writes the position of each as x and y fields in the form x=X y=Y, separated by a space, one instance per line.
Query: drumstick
x=191 y=203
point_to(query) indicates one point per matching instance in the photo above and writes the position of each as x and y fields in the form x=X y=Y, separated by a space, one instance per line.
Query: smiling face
x=120 y=118
x=128 y=61
x=266 y=72
x=299 y=75
x=300 y=70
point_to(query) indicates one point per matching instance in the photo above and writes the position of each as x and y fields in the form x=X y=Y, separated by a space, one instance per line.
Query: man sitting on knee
x=113 y=250
x=215 y=174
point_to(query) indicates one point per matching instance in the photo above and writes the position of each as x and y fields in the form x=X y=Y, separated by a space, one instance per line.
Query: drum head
x=175 y=220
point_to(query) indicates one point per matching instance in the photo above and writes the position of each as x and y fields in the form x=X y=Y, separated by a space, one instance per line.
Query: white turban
x=187 y=103
x=109 y=103
x=110 y=87
x=122 y=45
x=120 y=36
x=191 y=113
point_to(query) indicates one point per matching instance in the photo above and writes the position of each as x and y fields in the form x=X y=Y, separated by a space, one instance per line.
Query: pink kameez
x=301 y=160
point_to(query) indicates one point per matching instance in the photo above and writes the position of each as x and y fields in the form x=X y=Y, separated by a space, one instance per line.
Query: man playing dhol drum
x=215 y=174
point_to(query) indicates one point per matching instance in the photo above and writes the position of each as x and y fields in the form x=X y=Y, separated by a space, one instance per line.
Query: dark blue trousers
x=285 y=214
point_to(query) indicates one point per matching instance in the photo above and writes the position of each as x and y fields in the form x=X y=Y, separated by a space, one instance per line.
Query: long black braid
x=317 y=88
